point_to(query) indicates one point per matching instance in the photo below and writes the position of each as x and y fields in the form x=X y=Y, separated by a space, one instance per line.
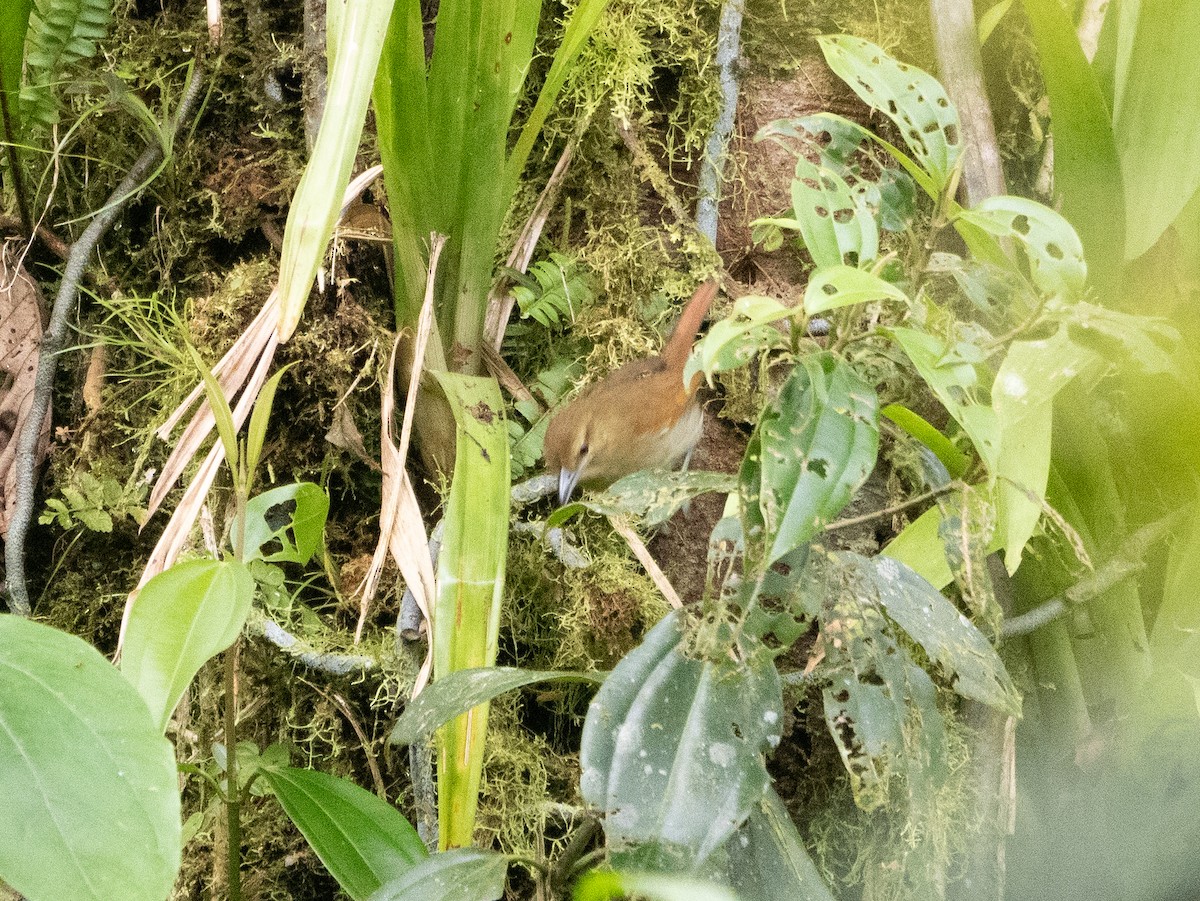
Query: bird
x=642 y=416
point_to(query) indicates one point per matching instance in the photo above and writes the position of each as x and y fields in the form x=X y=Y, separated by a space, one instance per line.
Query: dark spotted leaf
x=286 y=524
x=768 y=860
x=672 y=749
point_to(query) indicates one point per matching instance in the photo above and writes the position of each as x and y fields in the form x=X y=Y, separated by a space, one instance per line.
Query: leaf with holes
x=842 y=286
x=835 y=222
x=768 y=860
x=738 y=338
x=910 y=97
x=1051 y=245
x=672 y=749
x=948 y=637
x=880 y=707
x=815 y=443
x=290 y=516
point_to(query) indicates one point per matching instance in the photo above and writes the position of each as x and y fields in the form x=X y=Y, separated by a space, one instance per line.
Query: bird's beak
x=567 y=480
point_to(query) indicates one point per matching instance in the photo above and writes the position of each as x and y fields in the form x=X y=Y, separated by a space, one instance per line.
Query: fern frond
x=555 y=292
x=61 y=33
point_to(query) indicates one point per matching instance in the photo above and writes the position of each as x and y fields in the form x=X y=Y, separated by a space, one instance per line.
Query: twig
x=713 y=165
x=895 y=508
x=643 y=554
x=334 y=664
x=52 y=345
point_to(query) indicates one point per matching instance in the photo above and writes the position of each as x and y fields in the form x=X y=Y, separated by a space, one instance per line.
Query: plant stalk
x=233 y=800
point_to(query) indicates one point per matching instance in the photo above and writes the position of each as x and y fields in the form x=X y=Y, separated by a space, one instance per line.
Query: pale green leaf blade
x=1157 y=119
x=470 y=581
x=991 y=18
x=1087 y=173
x=672 y=749
x=363 y=841
x=464 y=874
x=737 y=339
x=834 y=221
x=911 y=98
x=458 y=692
x=955 y=461
x=843 y=286
x=86 y=775
x=180 y=619
x=919 y=547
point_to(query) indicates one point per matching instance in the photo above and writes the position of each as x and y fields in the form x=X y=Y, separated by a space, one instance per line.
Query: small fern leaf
x=61 y=33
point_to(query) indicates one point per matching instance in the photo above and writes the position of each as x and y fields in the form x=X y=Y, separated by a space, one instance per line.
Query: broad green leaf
x=738 y=338
x=948 y=637
x=1087 y=173
x=768 y=860
x=920 y=547
x=470 y=586
x=611 y=885
x=911 y=98
x=929 y=184
x=91 y=801
x=815 y=443
x=465 y=874
x=291 y=517
x=363 y=841
x=880 y=707
x=834 y=221
x=180 y=619
x=1051 y=246
x=955 y=461
x=458 y=692
x=318 y=198
x=1156 y=116
x=14 y=20
x=956 y=382
x=841 y=286
x=1032 y=373
x=672 y=748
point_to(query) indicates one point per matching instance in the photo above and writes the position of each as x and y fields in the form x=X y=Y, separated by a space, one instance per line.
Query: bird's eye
x=583 y=449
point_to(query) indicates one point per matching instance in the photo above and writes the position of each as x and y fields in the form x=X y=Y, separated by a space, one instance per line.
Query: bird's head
x=574 y=441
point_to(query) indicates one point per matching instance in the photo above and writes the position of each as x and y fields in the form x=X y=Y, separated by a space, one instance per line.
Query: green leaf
x=256 y=431
x=815 y=443
x=842 y=286
x=608 y=885
x=911 y=98
x=91 y=801
x=672 y=748
x=458 y=692
x=956 y=381
x=880 y=707
x=955 y=461
x=222 y=414
x=737 y=339
x=834 y=220
x=948 y=637
x=920 y=547
x=363 y=841
x=464 y=874
x=470 y=582
x=14 y=20
x=991 y=18
x=1051 y=246
x=1156 y=116
x=293 y=516
x=1087 y=173
x=768 y=860
x=654 y=496
x=180 y=619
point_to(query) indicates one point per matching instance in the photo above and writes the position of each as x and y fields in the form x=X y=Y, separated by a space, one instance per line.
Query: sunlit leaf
x=955 y=461
x=815 y=443
x=1051 y=245
x=180 y=619
x=363 y=841
x=920 y=547
x=841 y=286
x=611 y=885
x=91 y=798
x=672 y=749
x=911 y=98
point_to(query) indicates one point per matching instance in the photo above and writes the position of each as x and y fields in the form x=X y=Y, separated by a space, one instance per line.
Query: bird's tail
x=676 y=352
